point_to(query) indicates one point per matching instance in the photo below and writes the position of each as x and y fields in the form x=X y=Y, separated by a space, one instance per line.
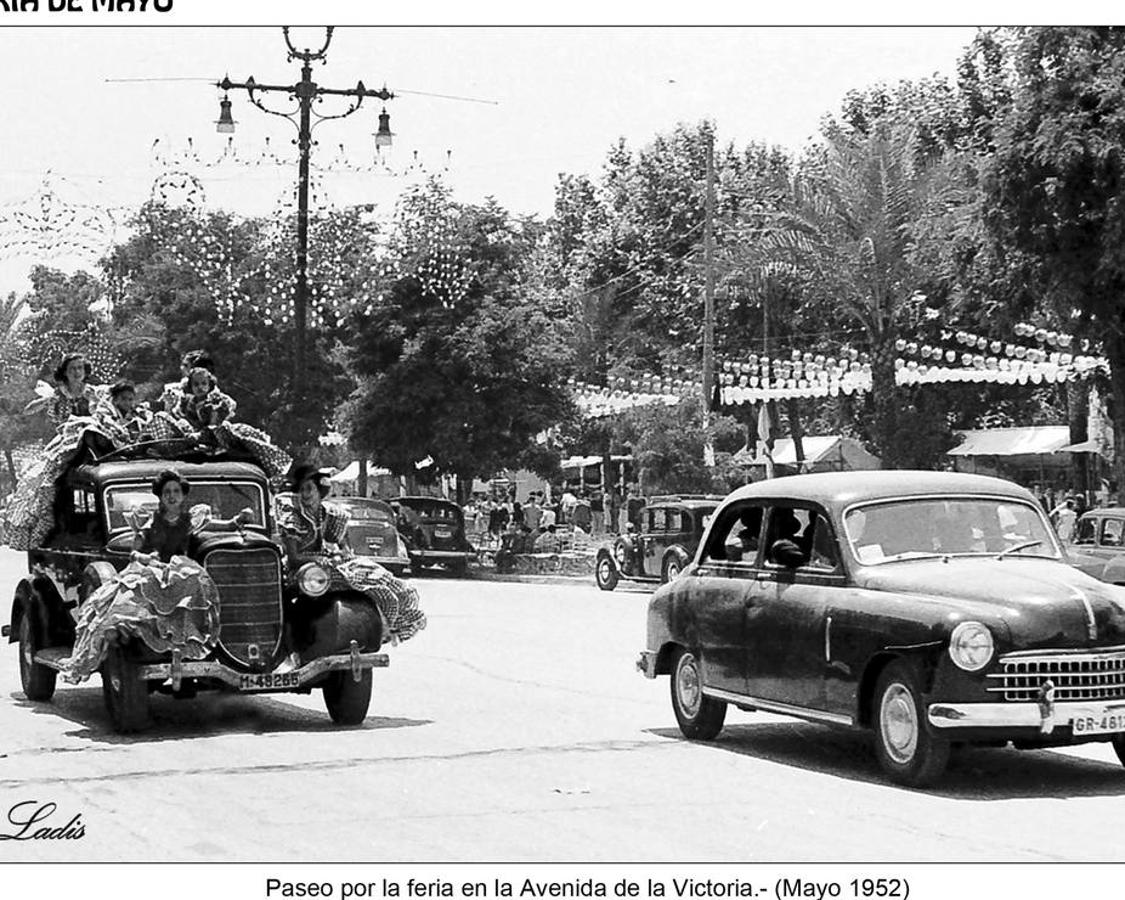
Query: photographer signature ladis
x=33 y=820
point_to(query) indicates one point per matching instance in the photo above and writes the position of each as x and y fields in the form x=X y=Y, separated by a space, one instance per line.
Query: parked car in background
x=434 y=531
x=1098 y=547
x=373 y=532
x=930 y=608
x=671 y=528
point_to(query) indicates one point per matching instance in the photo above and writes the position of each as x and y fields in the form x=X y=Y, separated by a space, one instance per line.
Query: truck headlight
x=312 y=579
x=971 y=646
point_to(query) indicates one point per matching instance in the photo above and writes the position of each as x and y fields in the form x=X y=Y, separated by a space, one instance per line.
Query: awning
x=1032 y=441
x=580 y=462
x=818 y=448
x=350 y=472
x=1090 y=446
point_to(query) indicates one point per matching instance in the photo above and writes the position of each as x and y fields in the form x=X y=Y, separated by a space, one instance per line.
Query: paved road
x=515 y=729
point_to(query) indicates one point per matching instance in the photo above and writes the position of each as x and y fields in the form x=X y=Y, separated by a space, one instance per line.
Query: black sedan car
x=932 y=609
x=373 y=532
x=434 y=530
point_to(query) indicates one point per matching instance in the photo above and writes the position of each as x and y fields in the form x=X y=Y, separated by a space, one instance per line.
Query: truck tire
x=37 y=680
x=125 y=693
x=347 y=700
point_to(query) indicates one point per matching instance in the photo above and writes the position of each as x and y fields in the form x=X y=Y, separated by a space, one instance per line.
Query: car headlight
x=312 y=579
x=971 y=646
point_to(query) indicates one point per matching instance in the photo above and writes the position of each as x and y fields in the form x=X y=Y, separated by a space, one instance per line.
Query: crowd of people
x=194 y=417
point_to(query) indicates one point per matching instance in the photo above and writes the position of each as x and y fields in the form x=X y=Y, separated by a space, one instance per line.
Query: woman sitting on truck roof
x=314 y=531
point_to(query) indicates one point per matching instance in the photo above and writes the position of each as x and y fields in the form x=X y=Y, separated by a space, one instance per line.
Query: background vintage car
x=931 y=608
x=373 y=532
x=1098 y=547
x=434 y=530
x=263 y=616
x=671 y=528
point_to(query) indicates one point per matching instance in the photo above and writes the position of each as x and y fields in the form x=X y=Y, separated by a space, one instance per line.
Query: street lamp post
x=304 y=93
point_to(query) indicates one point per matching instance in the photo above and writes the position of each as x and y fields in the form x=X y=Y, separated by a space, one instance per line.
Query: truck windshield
x=948 y=526
x=225 y=498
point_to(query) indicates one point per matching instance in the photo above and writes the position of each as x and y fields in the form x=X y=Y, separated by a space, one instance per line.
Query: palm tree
x=850 y=227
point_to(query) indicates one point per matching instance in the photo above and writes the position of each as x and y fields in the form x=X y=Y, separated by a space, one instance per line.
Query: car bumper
x=281 y=679
x=1043 y=717
x=438 y=556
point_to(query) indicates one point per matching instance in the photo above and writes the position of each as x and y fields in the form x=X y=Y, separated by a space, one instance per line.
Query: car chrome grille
x=1076 y=675
x=249 y=583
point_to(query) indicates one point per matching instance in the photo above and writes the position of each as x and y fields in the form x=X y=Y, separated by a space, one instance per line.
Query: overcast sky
x=560 y=97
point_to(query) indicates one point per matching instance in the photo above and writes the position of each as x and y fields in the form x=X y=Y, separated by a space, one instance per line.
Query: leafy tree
x=459 y=361
x=17 y=383
x=1055 y=184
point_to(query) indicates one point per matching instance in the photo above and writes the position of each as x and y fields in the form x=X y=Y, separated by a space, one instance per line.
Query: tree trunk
x=885 y=404
x=1078 y=417
x=793 y=411
x=11 y=467
x=1115 y=353
x=361 y=481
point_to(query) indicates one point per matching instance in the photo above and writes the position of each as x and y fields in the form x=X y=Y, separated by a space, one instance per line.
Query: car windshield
x=225 y=498
x=366 y=513
x=948 y=526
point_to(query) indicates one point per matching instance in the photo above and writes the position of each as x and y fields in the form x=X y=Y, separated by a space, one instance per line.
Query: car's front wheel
x=700 y=717
x=37 y=680
x=605 y=572
x=347 y=700
x=908 y=753
x=125 y=692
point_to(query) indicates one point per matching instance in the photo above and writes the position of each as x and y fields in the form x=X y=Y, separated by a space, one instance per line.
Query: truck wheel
x=347 y=699
x=125 y=693
x=700 y=717
x=458 y=568
x=906 y=750
x=37 y=680
x=605 y=573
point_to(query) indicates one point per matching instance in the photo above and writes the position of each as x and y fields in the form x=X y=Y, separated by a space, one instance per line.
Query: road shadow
x=208 y=715
x=974 y=773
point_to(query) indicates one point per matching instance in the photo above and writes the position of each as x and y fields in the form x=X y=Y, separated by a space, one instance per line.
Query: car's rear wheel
x=605 y=573
x=125 y=692
x=346 y=699
x=674 y=564
x=37 y=680
x=908 y=753
x=700 y=717
x=458 y=568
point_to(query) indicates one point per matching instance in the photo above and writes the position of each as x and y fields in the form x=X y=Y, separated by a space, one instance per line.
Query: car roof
x=411 y=501
x=147 y=469
x=846 y=488
x=362 y=501
x=1118 y=511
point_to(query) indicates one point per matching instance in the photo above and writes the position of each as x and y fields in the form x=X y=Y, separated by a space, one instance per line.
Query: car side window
x=656 y=520
x=736 y=535
x=824 y=553
x=786 y=530
x=1112 y=531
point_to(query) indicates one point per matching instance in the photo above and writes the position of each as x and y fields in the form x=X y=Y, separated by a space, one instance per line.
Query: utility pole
x=305 y=92
x=709 y=300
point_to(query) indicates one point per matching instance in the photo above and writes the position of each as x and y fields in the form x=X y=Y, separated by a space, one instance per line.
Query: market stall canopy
x=350 y=472
x=1090 y=446
x=832 y=452
x=1030 y=441
x=580 y=462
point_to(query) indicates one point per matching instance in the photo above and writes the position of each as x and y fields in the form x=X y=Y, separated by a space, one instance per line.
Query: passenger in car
x=173 y=528
x=743 y=542
x=314 y=531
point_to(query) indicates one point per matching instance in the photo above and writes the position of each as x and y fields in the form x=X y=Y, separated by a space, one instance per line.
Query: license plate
x=443 y=532
x=374 y=543
x=270 y=682
x=1099 y=723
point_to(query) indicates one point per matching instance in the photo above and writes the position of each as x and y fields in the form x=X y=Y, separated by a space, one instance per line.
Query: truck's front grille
x=249 y=583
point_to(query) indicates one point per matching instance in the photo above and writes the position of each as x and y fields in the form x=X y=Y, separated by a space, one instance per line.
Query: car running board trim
x=799 y=712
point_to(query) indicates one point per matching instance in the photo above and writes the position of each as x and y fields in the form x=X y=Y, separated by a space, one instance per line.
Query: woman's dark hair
x=212 y=383
x=121 y=387
x=168 y=475
x=198 y=359
x=302 y=473
x=60 y=370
